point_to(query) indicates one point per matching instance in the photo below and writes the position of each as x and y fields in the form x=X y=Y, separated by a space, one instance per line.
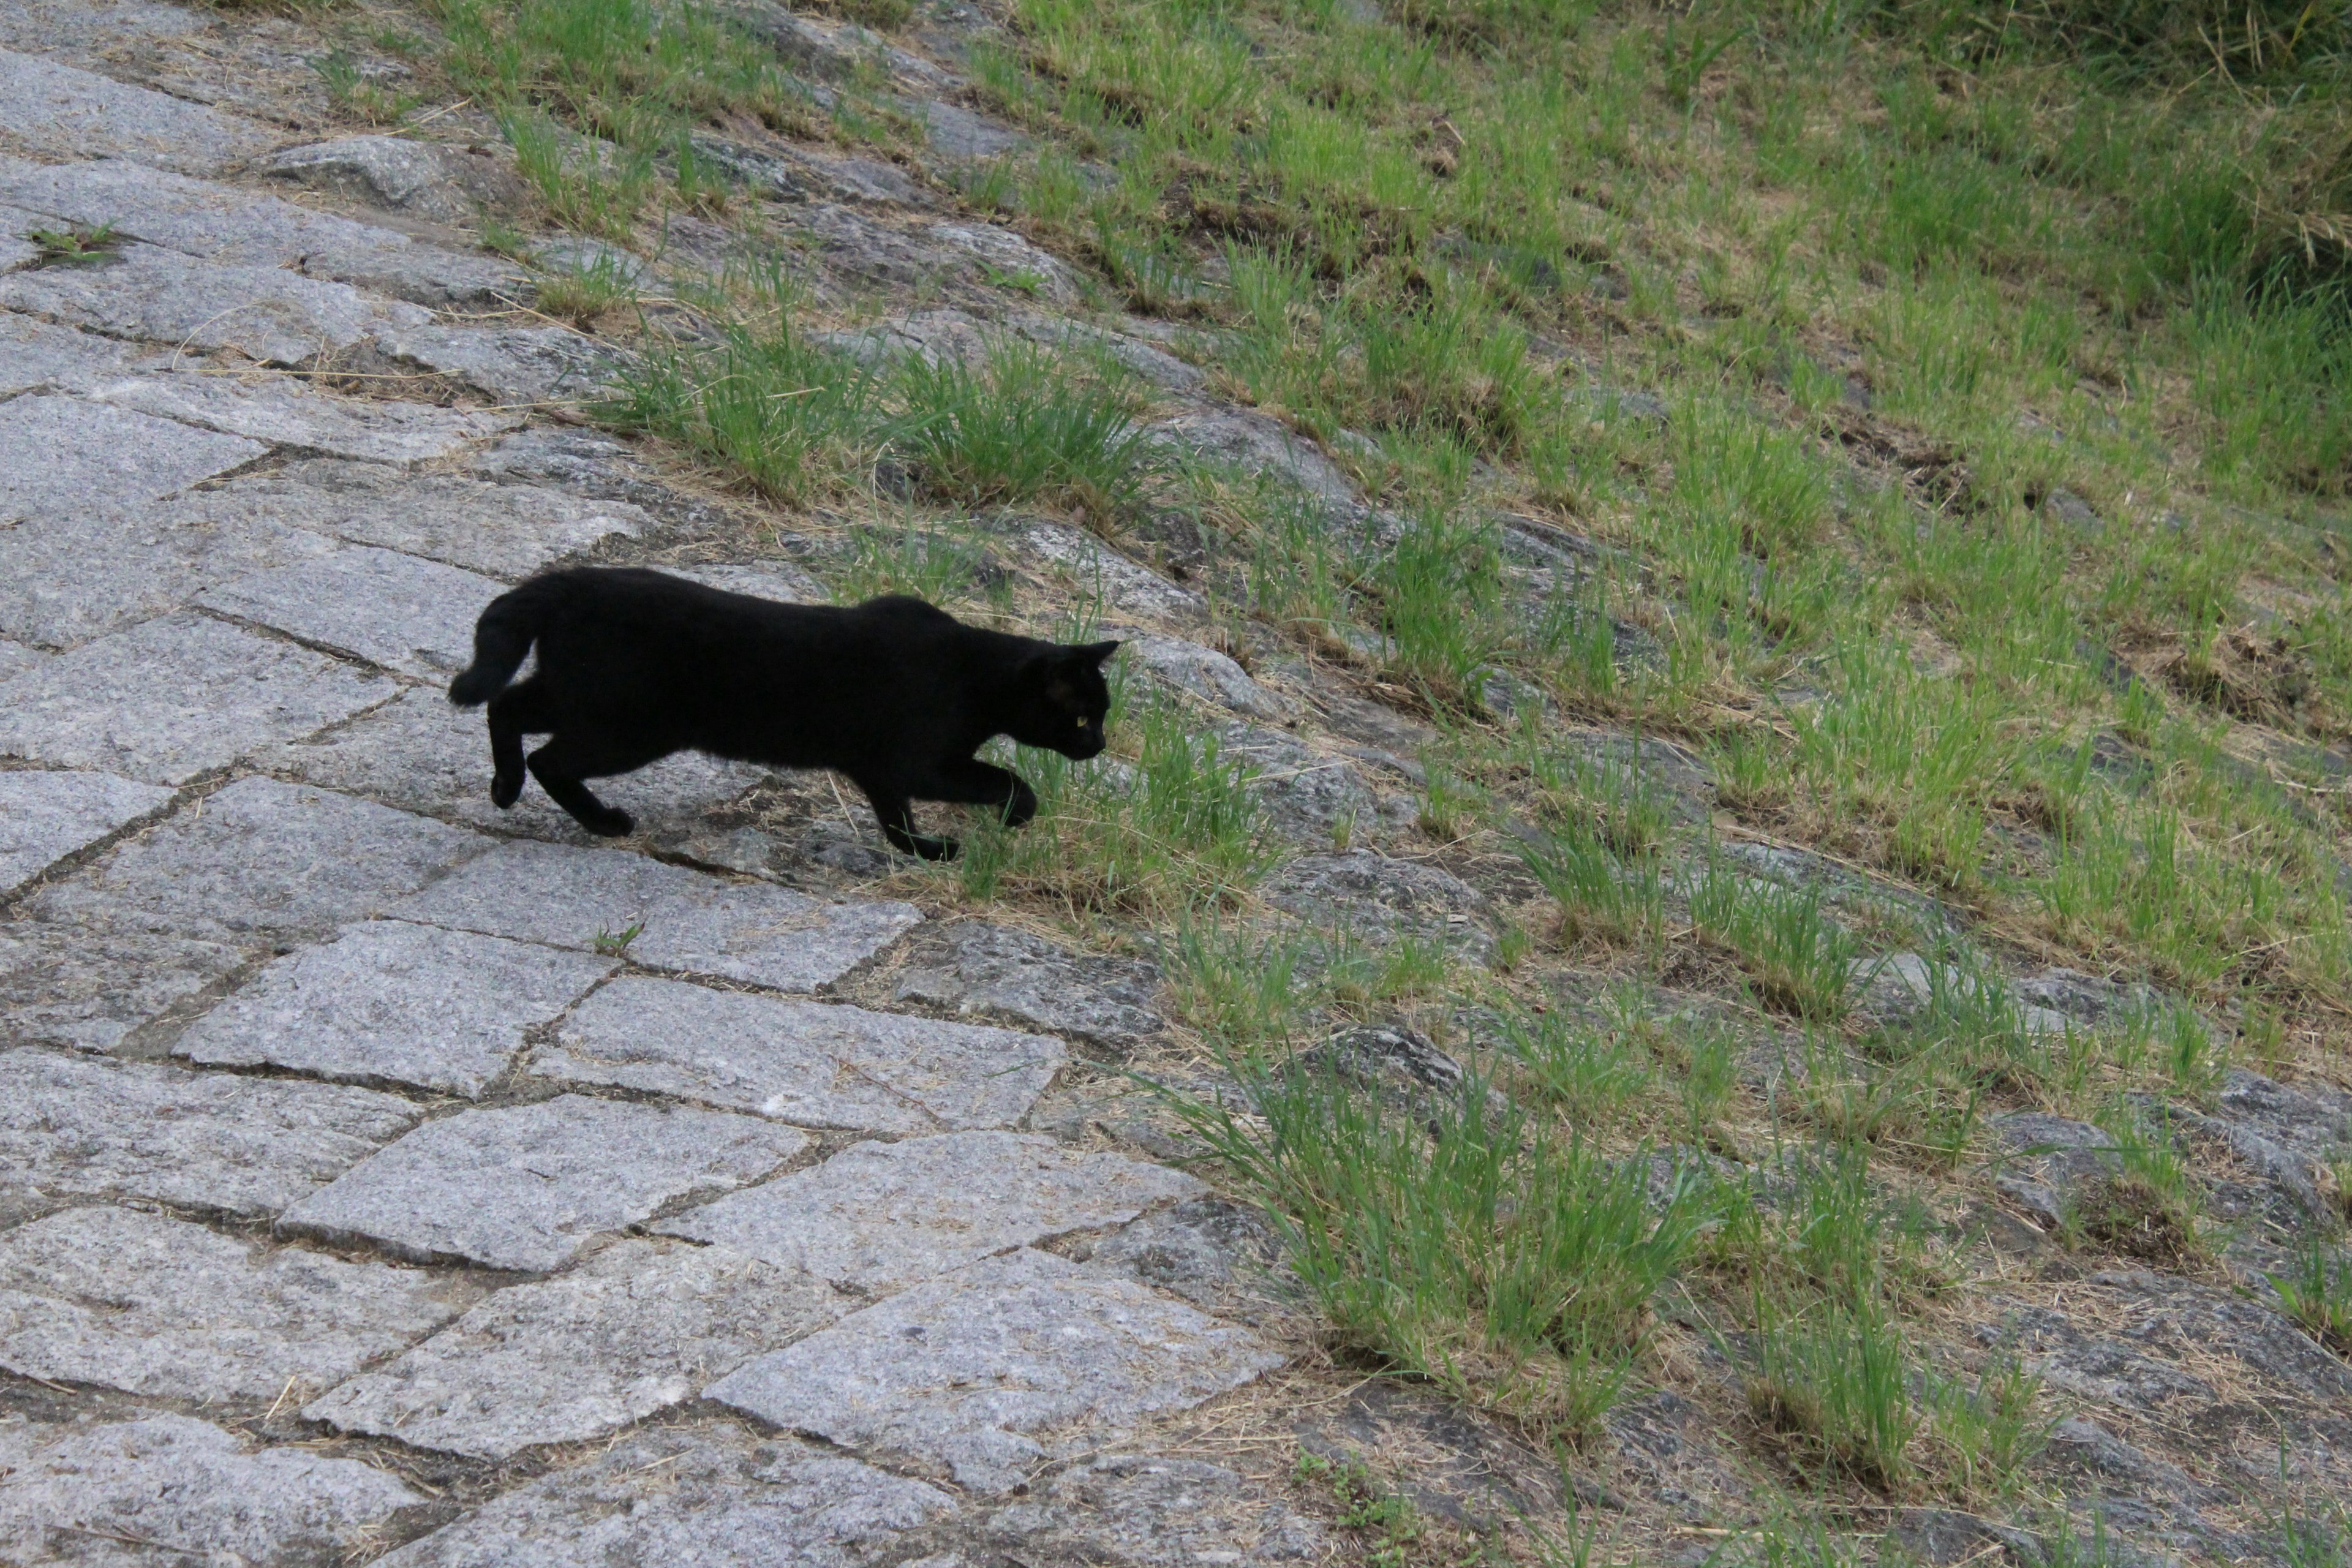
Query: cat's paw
x=931 y=848
x=611 y=822
x=505 y=791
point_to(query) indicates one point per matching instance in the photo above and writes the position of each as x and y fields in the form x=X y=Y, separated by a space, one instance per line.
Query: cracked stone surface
x=74 y=1126
x=74 y=1493
x=880 y=1215
x=393 y=610
x=812 y=1063
x=1154 y=1513
x=1205 y=674
x=513 y=364
x=35 y=354
x=259 y=859
x=287 y=414
x=1307 y=798
x=67 y=113
x=991 y=971
x=158 y=1306
x=168 y=700
x=712 y=1494
x=45 y=816
x=637 y=1328
x=453 y=185
x=66 y=454
x=1379 y=899
x=68 y=985
x=686 y=920
x=527 y=1186
x=388 y=1002
x=981 y=1374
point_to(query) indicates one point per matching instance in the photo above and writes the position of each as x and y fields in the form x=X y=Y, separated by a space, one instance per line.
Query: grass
x=2317 y=1291
x=74 y=246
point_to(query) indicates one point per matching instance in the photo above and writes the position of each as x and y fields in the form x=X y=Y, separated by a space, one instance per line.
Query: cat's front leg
x=895 y=812
x=970 y=782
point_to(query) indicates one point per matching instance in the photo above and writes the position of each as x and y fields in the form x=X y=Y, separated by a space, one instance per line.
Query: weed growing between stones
x=2317 y=1291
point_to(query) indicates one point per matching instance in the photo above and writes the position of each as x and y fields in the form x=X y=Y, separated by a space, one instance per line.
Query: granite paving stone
x=707 y=1497
x=881 y=1216
x=66 y=454
x=388 y=1002
x=157 y=1306
x=81 y=573
x=258 y=860
x=816 y=1064
x=1144 y=1511
x=640 y=1326
x=35 y=354
x=152 y=295
x=170 y=698
x=285 y=413
x=63 y=113
x=527 y=1186
x=990 y=1371
x=421 y=754
x=991 y=971
x=685 y=920
x=393 y=610
x=45 y=816
x=69 y=985
x=79 y=1494
x=75 y=1126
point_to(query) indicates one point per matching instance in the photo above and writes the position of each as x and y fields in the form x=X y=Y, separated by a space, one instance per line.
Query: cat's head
x=1066 y=701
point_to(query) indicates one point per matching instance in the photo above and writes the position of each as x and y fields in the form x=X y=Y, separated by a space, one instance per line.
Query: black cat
x=895 y=694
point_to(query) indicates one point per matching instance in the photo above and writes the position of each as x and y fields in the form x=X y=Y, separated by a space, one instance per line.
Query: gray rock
x=1205 y=674
x=527 y=1186
x=394 y=611
x=15 y=659
x=285 y=413
x=1210 y=1251
x=954 y=132
x=880 y=1215
x=690 y=1496
x=1250 y=444
x=812 y=1063
x=160 y=1307
x=1389 y=1058
x=37 y=356
x=421 y=754
x=2089 y=1365
x=506 y=531
x=45 y=816
x=513 y=364
x=1009 y=1361
x=780 y=581
x=637 y=1328
x=155 y=295
x=1154 y=1513
x=74 y=1493
x=2087 y=1450
x=831 y=48
x=172 y=699
x=64 y=985
x=79 y=30
x=1160 y=368
x=1092 y=569
x=68 y=455
x=1308 y=797
x=989 y=971
x=452 y=184
x=684 y=921
x=2164 y=1311
x=1377 y=899
x=388 y=1002
x=935 y=336
x=61 y=113
x=2085 y=998
x=865 y=251
x=260 y=859
x=812 y=174
x=82 y=573
x=1943 y=1537
x=2063 y=505
x=2057 y=1164
x=70 y=1126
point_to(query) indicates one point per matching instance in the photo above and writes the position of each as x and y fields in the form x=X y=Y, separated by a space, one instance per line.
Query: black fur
x=633 y=664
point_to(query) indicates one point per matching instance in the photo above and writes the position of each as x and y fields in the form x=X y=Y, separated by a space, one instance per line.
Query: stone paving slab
x=388 y=1002
x=527 y=1186
x=989 y=971
x=83 y=572
x=688 y=921
x=641 y=1326
x=96 y=1496
x=992 y=1369
x=1146 y=1511
x=67 y=113
x=421 y=754
x=516 y=365
x=45 y=816
x=286 y=414
x=157 y=1306
x=259 y=859
x=152 y=295
x=72 y=1126
x=393 y=610
x=505 y=531
x=172 y=699
x=33 y=354
x=882 y=1216
x=67 y=985
x=816 y=1064
x=66 y=454
x=708 y=1497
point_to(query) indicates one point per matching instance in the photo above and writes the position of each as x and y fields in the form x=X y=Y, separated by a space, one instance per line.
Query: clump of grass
x=2149 y=1209
x=74 y=246
x=1799 y=959
x=2316 y=1292
x=1025 y=426
x=1601 y=895
x=1982 y=1438
x=794 y=419
x=1590 y=1072
x=1834 y=1384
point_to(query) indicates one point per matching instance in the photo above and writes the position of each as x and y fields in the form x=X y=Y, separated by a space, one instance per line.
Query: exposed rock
x=989 y=971
x=1310 y=798
x=2067 y=1358
x=954 y=132
x=64 y=985
x=68 y=454
x=61 y=113
x=1215 y=1254
x=812 y=174
x=45 y=816
x=2057 y=1164
x=393 y=610
x=1153 y=1512
x=830 y=47
x=878 y=1216
x=1205 y=674
x=2064 y=506
x=286 y=412
x=513 y=364
x=1397 y=1061
x=2085 y=998
x=1092 y=569
x=639 y=1327
x=2086 y=1448
x=1943 y=1538
x=527 y=1186
x=451 y=184
x=37 y=356
x=1251 y=444
x=778 y=580
x=865 y=250
x=161 y=1307
x=2164 y=1311
x=1376 y=899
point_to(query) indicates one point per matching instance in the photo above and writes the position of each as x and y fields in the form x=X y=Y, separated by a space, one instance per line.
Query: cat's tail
x=502 y=640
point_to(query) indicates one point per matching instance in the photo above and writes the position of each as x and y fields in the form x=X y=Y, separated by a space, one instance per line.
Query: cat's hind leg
x=559 y=767
x=968 y=781
x=895 y=813
x=513 y=713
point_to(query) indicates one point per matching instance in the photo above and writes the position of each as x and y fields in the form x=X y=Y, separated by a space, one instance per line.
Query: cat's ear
x=1094 y=653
